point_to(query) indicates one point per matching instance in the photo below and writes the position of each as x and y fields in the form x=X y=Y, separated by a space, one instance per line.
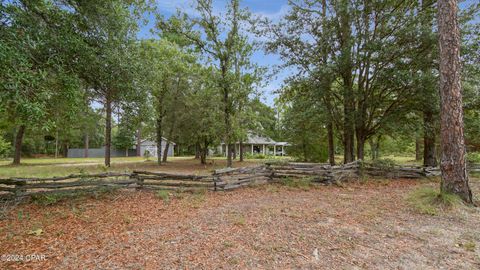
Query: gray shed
x=151 y=147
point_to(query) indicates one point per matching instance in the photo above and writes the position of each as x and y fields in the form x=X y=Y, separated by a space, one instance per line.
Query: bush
x=255 y=156
x=384 y=163
x=5 y=148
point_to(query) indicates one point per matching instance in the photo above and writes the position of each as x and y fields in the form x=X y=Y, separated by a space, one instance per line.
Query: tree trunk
x=65 y=149
x=234 y=151
x=139 y=141
x=418 y=154
x=372 y=149
x=346 y=74
x=375 y=147
x=331 y=145
x=86 y=145
x=429 y=159
x=108 y=128
x=226 y=111
x=360 y=147
x=18 y=145
x=241 y=150
x=204 y=151
x=165 y=151
x=197 y=150
x=159 y=139
x=453 y=162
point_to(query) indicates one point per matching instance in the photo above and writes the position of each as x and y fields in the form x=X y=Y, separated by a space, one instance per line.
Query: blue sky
x=269 y=8
x=273 y=9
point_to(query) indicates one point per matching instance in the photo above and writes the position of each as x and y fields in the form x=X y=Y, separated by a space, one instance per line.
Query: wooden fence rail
x=20 y=187
x=223 y=179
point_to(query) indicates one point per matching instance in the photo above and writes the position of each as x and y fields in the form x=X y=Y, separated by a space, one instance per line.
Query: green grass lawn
x=47 y=167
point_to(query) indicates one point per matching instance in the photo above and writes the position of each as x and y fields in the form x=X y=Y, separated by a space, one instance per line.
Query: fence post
x=138 y=179
x=20 y=188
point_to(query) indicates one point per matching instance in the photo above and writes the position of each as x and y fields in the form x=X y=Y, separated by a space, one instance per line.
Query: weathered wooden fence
x=20 y=187
x=231 y=178
x=223 y=179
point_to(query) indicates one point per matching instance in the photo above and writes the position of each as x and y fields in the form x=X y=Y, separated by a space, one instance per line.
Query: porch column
x=282 y=151
x=263 y=149
x=226 y=150
x=252 y=148
x=274 y=150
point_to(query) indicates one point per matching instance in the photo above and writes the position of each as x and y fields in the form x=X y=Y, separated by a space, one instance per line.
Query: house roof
x=283 y=144
x=150 y=142
x=257 y=139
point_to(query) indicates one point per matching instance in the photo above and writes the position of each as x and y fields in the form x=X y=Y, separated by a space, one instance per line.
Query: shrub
x=385 y=163
x=5 y=148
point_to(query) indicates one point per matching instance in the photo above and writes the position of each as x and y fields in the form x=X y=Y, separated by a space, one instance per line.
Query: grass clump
x=164 y=195
x=54 y=198
x=430 y=201
x=302 y=183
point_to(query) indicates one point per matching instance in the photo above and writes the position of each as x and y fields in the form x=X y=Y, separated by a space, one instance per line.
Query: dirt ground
x=359 y=226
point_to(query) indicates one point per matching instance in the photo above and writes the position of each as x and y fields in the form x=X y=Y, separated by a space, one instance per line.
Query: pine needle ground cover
x=368 y=225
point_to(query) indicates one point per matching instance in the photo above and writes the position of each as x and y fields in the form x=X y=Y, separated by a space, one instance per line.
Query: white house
x=151 y=147
x=255 y=144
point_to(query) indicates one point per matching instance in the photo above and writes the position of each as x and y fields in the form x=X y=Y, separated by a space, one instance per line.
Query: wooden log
x=72 y=176
x=71 y=191
x=80 y=183
x=176 y=178
x=187 y=189
x=172 y=176
x=226 y=171
x=9 y=189
x=182 y=184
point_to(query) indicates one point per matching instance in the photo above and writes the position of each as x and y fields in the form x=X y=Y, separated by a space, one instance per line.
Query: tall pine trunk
x=241 y=150
x=18 y=144
x=453 y=159
x=108 y=128
x=429 y=158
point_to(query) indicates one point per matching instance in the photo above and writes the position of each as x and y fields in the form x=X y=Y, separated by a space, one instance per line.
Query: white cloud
x=274 y=16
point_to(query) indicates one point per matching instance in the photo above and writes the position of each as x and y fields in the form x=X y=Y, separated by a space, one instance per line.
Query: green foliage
x=430 y=201
x=303 y=126
x=5 y=147
x=384 y=163
x=473 y=157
